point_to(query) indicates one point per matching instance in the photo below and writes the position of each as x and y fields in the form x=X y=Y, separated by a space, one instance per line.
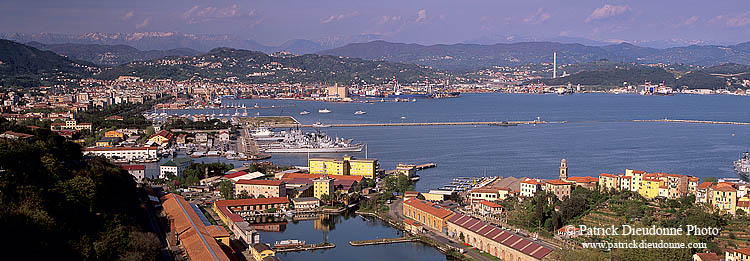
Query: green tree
x=226 y=188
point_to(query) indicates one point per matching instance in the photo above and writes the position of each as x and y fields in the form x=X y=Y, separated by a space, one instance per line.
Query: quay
x=310 y=247
x=390 y=124
x=426 y=166
x=383 y=241
x=697 y=121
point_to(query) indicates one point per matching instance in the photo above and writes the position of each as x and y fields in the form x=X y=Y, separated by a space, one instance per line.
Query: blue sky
x=419 y=21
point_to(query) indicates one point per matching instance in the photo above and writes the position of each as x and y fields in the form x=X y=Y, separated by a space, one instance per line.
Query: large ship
x=742 y=166
x=296 y=141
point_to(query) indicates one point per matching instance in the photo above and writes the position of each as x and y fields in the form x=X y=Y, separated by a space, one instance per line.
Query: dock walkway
x=306 y=248
x=383 y=241
x=391 y=124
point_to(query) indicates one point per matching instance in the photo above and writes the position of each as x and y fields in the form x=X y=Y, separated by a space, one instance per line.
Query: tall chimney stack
x=554 y=65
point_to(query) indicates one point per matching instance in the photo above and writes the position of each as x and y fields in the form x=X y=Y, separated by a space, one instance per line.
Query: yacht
x=324 y=111
x=403 y=117
x=359 y=112
x=304 y=113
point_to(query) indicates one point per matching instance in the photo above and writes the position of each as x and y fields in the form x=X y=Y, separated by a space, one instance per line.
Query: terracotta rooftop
x=260 y=182
x=133 y=167
x=705 y=185
x=744 y=251
x=193 y=235
x=586 y=179
x=490 y=204
x=557 y=182
x=428 y=207
x=607 y=175
x=501 y=236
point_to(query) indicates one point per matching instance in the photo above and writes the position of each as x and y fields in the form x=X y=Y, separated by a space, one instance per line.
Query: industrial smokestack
x=554 y=65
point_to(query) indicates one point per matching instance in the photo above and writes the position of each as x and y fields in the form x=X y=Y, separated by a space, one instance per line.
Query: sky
x=411 y=21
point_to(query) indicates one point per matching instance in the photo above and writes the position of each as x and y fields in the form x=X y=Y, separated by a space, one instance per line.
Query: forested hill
x=234 y=65
x=59 y=205
x=24 y=65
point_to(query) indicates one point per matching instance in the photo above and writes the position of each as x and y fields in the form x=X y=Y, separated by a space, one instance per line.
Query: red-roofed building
x=188 y=231
x=256 y=188
x=560 y=188
x=740 y=254
x=529 y=187
x=486 y=208
x=138 y=171
x=427 y=213
x=609 y=182
x=161 y=138
x=493 y=240
x=412 y=226
x=586 y=182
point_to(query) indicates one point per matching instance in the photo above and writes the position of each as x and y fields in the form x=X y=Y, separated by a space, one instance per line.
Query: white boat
x=320 y=125
x=304 y=113
x=262 y=132
x=324 y=111
x=359 y=112
x=403 y=117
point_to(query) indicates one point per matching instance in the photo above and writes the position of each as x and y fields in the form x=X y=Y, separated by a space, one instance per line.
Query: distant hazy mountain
x=200 y=42
x=494 y=39
x=474 y=56
x=109 y=54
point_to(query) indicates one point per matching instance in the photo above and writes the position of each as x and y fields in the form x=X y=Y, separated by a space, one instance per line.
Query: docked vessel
x=320 y=125
x=742 y=165
x=324 y=111
x=295 y=141
x=359 y=112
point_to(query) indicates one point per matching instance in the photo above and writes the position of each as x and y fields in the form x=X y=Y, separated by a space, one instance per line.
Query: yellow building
x=636 y=179
x=724 y=197
x=114 y=134
x=435 y=197
x=323 y=186
x=609 y=182
x=744 y=204
x=649 y=187
x=346 y=166
x=260 y=251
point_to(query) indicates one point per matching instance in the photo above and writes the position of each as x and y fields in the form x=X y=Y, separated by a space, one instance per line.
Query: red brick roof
x=251 y=202
x=586 y=179
x=607 y=175
x=705 y=185
x=490 y=204
x=428 y=207
x=412 y=222
x=744 y=251
x=133 y=167
x=119 y=148
x=236 y=174
x=557 y=182
x=260 y=182
x=501 y=236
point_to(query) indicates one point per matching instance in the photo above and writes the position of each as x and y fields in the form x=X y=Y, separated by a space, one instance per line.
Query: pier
x=426 y=166
x=390 y=124
x=697 y=121
x=383 y=241
x=310 y=247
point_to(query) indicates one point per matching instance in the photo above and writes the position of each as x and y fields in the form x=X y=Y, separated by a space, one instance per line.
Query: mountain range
x=176 y=40
x=23 y=65
x=466 y=57
x=109 y=55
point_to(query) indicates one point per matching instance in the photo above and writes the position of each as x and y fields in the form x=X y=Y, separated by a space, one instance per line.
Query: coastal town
x=369 y=131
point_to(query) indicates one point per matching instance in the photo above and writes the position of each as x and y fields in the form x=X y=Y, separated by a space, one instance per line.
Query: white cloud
x=690 y=20
x=339 y=17
x=537 y=18
x=421 y=16
x=198 y=14
x=143 y=24
x=608 y=11
x=733 y=20
x=128 y=15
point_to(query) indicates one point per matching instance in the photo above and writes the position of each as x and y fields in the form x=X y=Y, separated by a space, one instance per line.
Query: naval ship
x=296 y=141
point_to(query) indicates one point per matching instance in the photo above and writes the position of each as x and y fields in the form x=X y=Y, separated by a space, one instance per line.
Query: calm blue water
x=610 y=145
x=345 y=228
